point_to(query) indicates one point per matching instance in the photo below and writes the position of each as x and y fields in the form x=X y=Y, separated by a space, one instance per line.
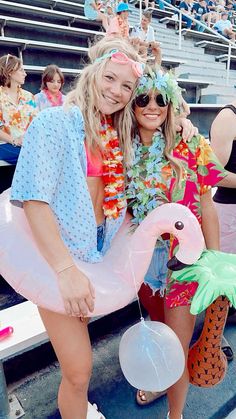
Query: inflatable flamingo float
x=117 y=278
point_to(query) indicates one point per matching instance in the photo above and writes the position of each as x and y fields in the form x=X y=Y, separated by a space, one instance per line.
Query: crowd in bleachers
x=208 y=12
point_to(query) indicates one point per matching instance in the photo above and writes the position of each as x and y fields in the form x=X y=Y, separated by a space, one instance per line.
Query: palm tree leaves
x=215 y=273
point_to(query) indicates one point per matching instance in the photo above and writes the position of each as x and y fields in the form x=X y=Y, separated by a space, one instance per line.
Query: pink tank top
x=94 y=163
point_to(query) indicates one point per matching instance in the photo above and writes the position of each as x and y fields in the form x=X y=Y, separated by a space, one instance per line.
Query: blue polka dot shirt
x=52 y=168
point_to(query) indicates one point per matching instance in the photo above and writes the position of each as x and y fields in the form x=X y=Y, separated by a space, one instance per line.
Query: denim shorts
x=156 y=276
x=101 y=235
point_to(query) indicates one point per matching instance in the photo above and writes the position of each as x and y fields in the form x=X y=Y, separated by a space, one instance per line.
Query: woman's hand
x=187 y=128
x=77 y=292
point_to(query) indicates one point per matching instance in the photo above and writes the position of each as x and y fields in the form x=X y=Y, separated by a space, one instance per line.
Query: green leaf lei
x=145 y=176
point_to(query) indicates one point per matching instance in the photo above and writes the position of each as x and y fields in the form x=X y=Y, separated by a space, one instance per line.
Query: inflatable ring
x=116 y=279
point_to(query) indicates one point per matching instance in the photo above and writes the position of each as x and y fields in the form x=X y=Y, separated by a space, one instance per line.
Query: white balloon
x=151 y=356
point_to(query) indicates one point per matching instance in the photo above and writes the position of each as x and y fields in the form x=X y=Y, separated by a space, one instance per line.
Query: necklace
x=147 y=188
x=113 y=171
x=55 y=100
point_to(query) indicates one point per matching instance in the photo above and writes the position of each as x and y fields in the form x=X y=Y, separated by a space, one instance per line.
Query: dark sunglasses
x=143 y=100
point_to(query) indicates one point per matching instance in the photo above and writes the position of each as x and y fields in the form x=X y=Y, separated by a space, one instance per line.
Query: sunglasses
x=143 y=100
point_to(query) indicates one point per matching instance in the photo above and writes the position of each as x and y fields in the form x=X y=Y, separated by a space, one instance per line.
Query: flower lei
x=113 y=171
x=165 y=83
x=54 y=100
x=146 y=189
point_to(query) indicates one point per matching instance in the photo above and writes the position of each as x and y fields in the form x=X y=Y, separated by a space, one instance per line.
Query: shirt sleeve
x=40 y=163
x=209 y=170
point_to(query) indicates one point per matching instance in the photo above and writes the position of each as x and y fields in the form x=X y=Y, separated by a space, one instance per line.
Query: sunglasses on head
x=143 y=100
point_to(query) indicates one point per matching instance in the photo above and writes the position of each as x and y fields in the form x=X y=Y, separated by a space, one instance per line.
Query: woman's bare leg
x=70 y=340
x=182 y=323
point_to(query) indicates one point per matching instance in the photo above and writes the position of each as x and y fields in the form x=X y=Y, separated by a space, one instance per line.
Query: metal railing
x=200 y=23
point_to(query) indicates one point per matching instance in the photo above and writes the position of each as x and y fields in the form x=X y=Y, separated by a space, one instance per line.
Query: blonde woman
x=68 y=202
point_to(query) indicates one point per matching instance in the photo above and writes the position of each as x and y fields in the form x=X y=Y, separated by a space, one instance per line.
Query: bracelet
x=13 y=142
x=64 y=269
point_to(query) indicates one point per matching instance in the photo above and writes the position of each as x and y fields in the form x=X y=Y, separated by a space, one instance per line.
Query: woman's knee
x=78 y=378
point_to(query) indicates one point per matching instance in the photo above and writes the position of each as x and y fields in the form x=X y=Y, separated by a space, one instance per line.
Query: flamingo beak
x=175 y=265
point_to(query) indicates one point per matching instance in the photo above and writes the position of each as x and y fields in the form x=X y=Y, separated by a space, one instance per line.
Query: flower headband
x=165 y=83
x=121 y=58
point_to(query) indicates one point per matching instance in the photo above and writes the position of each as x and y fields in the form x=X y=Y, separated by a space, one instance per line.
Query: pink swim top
x=94 y=163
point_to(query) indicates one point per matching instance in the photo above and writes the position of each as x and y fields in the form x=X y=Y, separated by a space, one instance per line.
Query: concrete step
x=188 y=54
x=217 y=98
x=198 y=72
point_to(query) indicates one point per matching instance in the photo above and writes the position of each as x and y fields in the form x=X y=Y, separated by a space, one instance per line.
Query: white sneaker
x=93 y=412
x=168 y=416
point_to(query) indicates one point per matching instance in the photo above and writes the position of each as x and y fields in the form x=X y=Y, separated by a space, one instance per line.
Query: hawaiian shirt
x=15 y=118
x=201 y=172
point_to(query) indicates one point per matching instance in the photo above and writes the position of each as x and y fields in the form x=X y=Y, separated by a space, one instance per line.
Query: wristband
x=64 y=269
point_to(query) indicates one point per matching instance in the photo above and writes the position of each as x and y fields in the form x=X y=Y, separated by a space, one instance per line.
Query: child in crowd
x=119 y=25
x=52 y=83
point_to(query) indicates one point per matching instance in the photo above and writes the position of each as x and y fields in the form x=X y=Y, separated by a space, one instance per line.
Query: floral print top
x=201 y=171
x=15 y=118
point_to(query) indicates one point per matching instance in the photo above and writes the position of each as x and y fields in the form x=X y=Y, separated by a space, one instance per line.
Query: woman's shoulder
x=26 y=94
x=59 y=119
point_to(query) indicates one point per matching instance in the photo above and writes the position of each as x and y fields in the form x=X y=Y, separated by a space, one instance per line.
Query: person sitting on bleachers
x=17 y=108
x=200 y=12
x=229 y=9
x=52 y=82
x=119 y=25
x=224 y=27
x=143 y=37
x=212 y=15
x=186 y=7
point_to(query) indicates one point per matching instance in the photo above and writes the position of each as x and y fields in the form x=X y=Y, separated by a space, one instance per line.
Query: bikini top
x=94 y=163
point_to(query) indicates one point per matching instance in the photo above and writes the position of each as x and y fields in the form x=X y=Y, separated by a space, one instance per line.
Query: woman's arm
x=210 y=223
x=77 y=291
x=6 y=137
x=223 y=132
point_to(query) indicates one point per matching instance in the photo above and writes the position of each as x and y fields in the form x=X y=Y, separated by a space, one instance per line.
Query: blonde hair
x=86 y=96
x=8 y=64
x=169 y=132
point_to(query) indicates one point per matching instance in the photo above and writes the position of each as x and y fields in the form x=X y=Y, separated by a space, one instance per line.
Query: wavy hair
x=87 y=93
x=8 y=64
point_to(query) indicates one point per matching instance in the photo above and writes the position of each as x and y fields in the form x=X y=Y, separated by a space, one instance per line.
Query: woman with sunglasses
x=70 y=203
x=167 y=169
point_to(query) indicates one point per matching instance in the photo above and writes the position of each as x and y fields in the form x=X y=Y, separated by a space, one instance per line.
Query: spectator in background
x=229 y=9
x=119 y=25
x=143 y=37
x=52 y=82
x=224 y=27
x=17 y=107
x=186 y=7
x=212 y=15
x=200 y=11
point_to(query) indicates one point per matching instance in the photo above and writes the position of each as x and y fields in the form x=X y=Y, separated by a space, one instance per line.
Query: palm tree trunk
x=207 y=363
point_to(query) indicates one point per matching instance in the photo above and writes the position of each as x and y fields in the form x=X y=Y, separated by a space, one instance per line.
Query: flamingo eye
x=179 y=225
